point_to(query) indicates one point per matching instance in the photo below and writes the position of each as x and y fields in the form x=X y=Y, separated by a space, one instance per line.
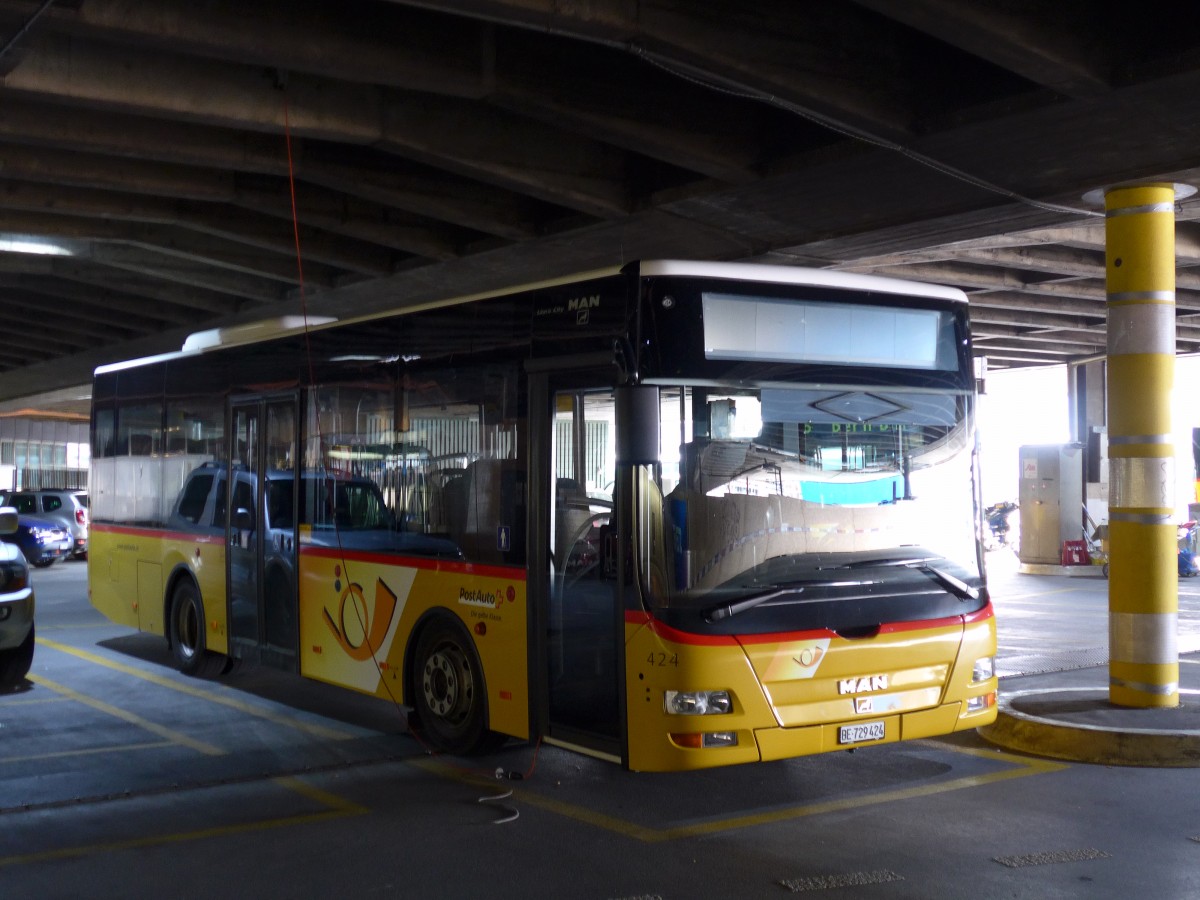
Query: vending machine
x=1051 y=501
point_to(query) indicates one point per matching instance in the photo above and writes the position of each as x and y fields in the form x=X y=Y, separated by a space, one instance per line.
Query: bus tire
x=449 y=695
x=185 y=630
x=15 y=662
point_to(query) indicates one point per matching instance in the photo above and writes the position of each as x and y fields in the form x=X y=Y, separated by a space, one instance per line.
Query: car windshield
x=350 y=505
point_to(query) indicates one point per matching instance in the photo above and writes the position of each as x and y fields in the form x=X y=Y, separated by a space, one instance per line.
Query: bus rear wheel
x=450 y=705
x=185 y=629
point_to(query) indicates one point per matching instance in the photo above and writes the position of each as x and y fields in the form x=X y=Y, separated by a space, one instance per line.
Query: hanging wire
x=24 y=29
x=511 y=813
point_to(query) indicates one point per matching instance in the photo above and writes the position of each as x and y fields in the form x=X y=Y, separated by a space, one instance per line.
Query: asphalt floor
x=1066 y=713
x=121 y=778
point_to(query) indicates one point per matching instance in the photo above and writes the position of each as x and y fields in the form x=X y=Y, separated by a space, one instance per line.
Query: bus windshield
x=817 y=490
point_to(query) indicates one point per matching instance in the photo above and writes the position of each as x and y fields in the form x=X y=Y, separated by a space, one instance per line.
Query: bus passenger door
x=582 y=624
x=260 y=531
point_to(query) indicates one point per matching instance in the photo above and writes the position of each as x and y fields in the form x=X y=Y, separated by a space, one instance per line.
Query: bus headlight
x=698 y=703
x=985 y=668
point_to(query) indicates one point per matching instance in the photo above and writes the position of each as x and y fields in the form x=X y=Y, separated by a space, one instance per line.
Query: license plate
x=860 y=733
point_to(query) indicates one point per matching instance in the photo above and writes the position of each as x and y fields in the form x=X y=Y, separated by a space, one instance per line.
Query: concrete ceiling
x=440 y=148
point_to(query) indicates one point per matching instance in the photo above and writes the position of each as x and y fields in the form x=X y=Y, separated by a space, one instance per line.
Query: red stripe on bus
x=159 y=533
x=980 y=615
x=783 y=637
x=921 y=625
x=666 y=632
x=513 y=573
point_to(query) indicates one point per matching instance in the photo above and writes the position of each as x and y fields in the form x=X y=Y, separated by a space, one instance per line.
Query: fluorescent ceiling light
x=33 y=245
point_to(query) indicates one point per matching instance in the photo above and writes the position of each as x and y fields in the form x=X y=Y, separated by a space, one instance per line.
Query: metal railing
x=52 y=479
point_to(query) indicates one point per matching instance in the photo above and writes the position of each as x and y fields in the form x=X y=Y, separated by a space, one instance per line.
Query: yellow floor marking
x=1031 y=767
x=73 y=626
x=30 y=700
x=1022 y=767
x=63 y=754
x=1033 y=595
x=241 y=706
x=175 y=737
x=337 y=808
x=570 y=810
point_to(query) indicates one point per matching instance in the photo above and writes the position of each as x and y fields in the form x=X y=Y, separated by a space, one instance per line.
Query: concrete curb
x=1056 y=732
x=1089 y=571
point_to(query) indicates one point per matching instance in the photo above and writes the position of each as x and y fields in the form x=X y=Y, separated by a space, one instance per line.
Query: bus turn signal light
x=978 y=704
x=701 y=740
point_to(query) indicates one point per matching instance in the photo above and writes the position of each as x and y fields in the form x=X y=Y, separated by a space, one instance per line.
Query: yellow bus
x=673 y=514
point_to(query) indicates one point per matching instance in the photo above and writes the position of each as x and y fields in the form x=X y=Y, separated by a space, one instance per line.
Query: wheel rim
x=187 y=626
x=447 y=685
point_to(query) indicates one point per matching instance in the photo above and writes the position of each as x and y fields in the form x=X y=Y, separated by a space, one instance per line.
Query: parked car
x=69 y=508
x=16 y=607
x=42 y=541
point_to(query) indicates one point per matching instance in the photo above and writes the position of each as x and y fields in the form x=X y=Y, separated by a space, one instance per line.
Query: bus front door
x=583 y=624
x=261 y=531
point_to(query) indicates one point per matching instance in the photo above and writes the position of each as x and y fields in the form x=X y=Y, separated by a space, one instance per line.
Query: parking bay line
x=91 y=751
x=169 y=734
x=335 y=808
x=1023 y=767
x=321 y=731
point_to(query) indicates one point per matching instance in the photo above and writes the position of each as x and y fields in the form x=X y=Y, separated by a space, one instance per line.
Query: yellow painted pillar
x=1143 y=589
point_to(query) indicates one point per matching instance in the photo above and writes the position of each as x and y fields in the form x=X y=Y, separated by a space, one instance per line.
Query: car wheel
x=185 y=627
x=450 y=704
x=15 y=662
x=43 y=563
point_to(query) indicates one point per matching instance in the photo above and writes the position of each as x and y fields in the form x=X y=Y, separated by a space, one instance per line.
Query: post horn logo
x=371 y=624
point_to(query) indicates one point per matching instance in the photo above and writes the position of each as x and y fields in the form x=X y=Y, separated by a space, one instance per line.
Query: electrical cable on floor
x=512 y=812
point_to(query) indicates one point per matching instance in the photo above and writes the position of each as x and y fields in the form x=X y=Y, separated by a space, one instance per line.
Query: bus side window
x=279 y=504
x=191 y=504
x=454 y=504
x=219 y=505
x=243 y=505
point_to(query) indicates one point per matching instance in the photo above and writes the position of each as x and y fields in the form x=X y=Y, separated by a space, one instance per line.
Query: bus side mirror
x=637 y=425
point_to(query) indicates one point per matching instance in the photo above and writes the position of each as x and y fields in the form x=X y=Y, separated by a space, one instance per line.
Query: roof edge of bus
x=457 y=299
x=252 y=332
x=767 y=272
x=264 y=329
x=220 y=338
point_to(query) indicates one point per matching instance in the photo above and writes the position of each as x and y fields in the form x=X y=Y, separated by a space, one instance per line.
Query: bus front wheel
x=185 y=625
x=450 y=706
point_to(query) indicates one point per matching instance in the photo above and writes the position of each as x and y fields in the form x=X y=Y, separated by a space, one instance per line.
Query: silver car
x=16 y=608
x=67 y=508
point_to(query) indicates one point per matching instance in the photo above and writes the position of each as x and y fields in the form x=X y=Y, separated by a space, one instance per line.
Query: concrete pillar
x=1143 y=590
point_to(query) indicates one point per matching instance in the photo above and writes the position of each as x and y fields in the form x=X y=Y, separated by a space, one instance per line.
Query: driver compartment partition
x=718 y=538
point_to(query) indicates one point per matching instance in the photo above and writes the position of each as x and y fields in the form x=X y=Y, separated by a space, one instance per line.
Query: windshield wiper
x=725 y=610
x=909 y=561
x=954 y=585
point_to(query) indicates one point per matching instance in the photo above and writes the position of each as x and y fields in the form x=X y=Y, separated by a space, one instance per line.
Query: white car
x=16 y=608
x=68 y=508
